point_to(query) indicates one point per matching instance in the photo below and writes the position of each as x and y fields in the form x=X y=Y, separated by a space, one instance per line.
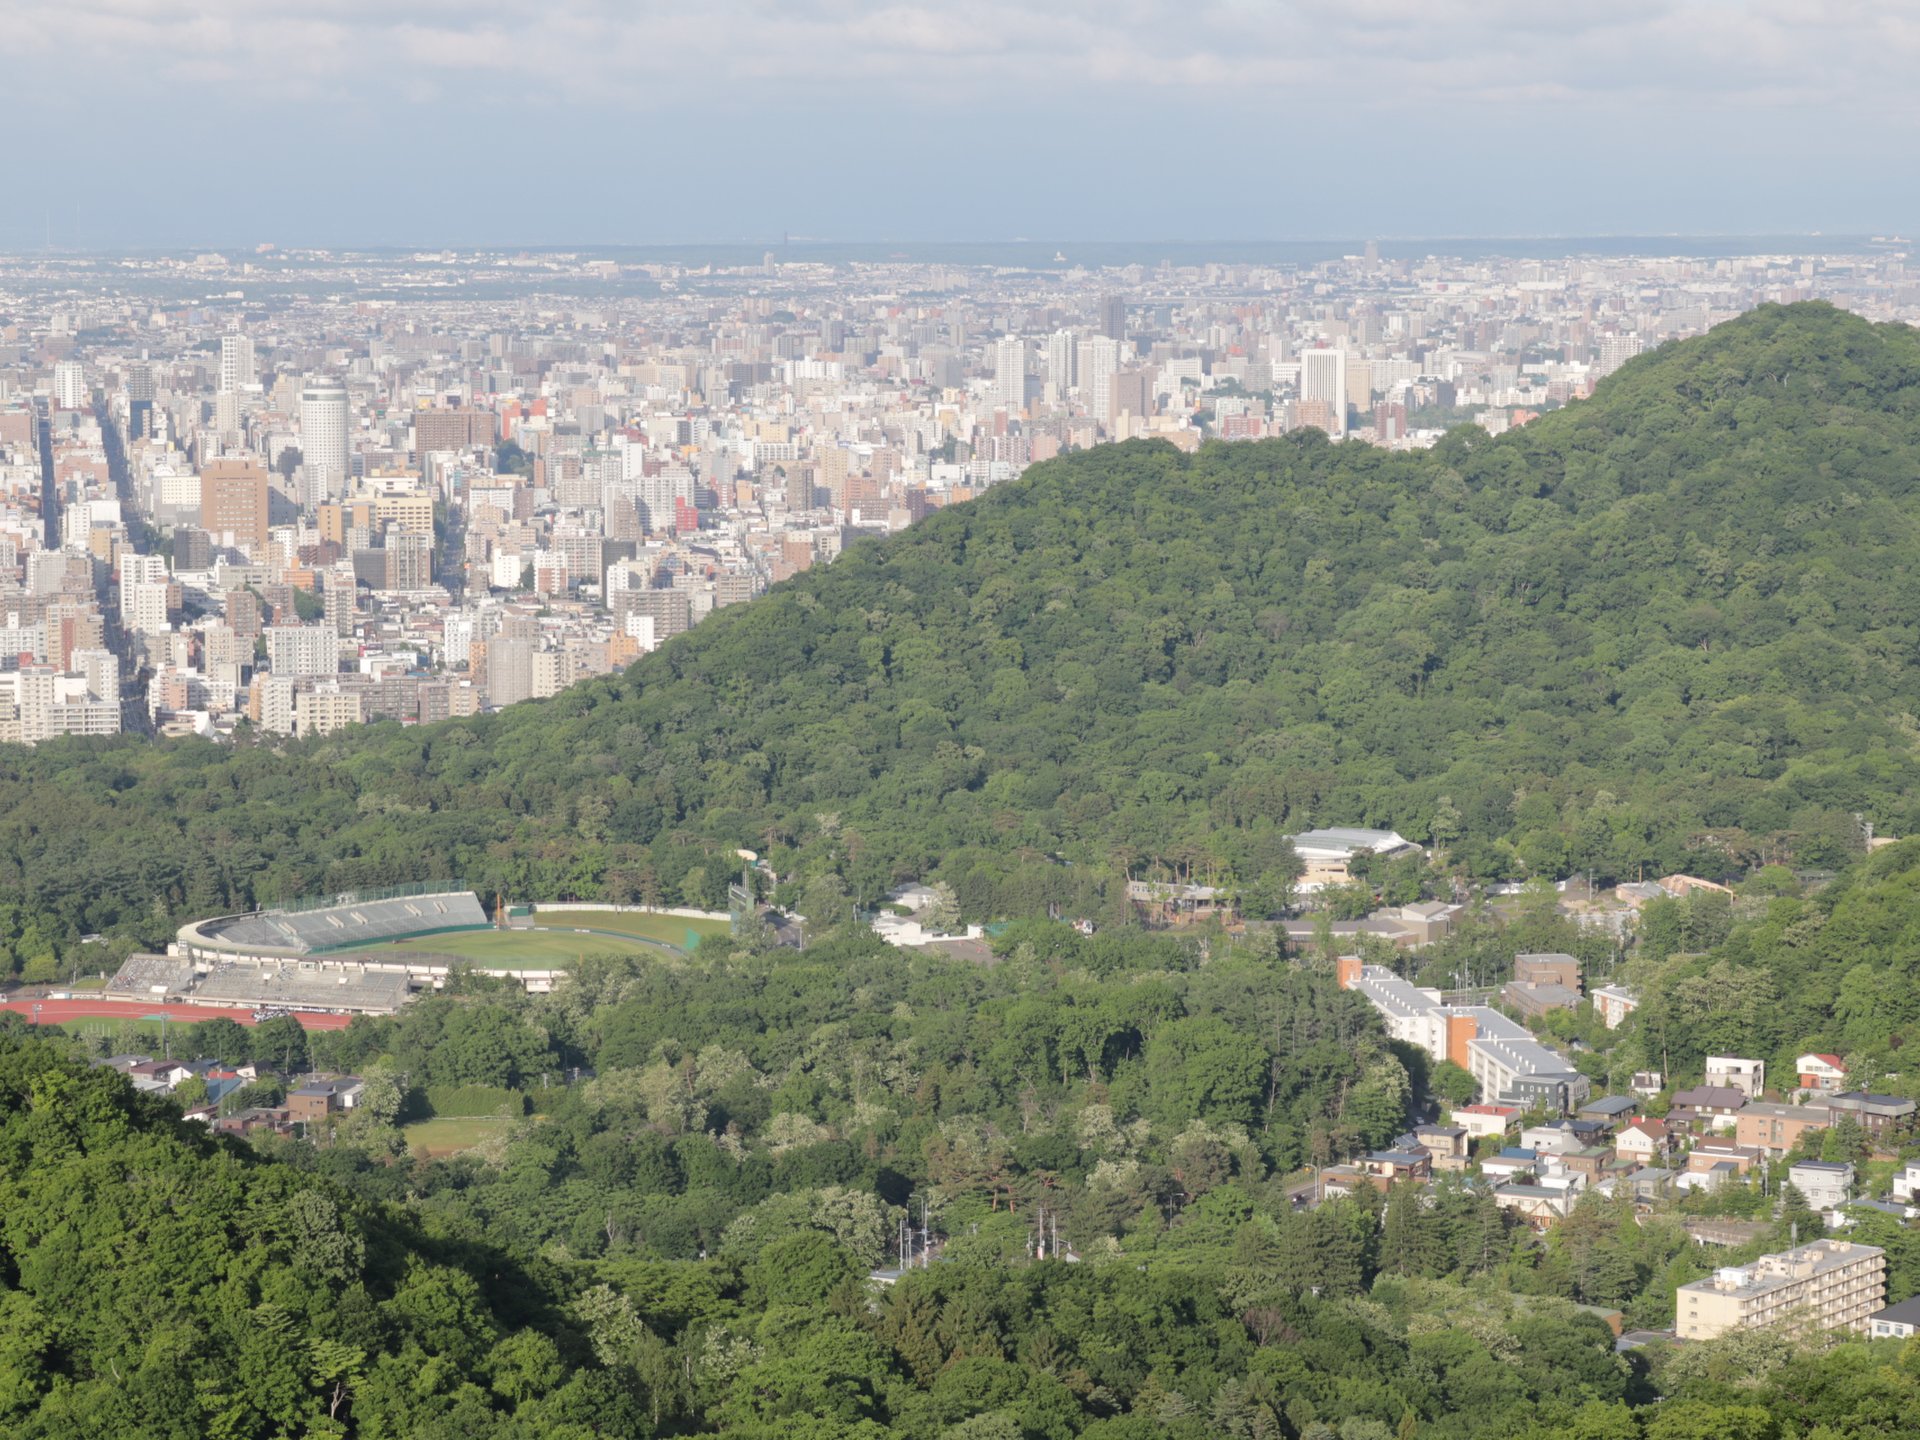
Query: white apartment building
x=296 y=650
x=1823 y=1285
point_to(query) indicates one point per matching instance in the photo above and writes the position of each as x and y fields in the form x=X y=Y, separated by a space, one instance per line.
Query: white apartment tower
x=1323 y=376
x=323 y=438
x=1010 y=374
x=236 y=362
x=69 y=385
x=1099 y=362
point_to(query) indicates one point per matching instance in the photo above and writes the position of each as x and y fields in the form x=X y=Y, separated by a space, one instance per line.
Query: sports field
x=667 y=929
x=545 y=949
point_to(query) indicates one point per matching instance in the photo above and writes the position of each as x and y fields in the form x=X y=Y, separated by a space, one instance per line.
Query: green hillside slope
x=1670 y=626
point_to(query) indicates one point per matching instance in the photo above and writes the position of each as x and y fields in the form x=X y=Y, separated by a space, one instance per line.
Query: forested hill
x=1671 y=626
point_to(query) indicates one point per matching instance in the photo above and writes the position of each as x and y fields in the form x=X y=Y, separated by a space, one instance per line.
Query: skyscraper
x=233 y=504
x=323 y=438
x=1010 y=374
x=1113 y=317
x=1060 y=358
x=69 y=385
x=140 y=394
x=1098 y=360
x=1323 y=377
x=236 y=362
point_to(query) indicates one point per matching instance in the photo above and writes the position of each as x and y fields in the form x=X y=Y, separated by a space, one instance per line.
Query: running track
x=55 y=1012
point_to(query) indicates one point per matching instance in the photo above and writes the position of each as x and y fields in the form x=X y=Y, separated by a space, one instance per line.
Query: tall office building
x=236 y=362
x=140 y=393
x=69 y=385
x=1060 y=357
x=1010 y=374
x=323 y=438
x=233 y=503
x=1113 y=318
x=1099 y=360
x=1323 y=377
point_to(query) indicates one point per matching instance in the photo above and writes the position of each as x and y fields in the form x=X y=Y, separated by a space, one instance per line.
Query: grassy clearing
x=667 y=929
x=450 y=1135
x=507 y=949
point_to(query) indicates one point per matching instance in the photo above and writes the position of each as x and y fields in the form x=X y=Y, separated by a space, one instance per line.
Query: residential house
x=1538 y=1206
x=1878 y=1115
x=1896 y=1322
x=1825 y=1074
x=160 y=1074
x=1612 y=1111
x=320 y=1098
x=1645 y=1140
x=1732 y=1072
x=1589 y=1164
x=1510 y=1164
x=1614 y=1003
x=1778 y=1128
x=1384 y=1167
x=1826 y=1184
x=1449 y=1145
x=1647 y=1185
x=1705 y=1108
x=1906 y=1182
x=1646 y=1084
x=1553 y=1138
x=1714 y=1163
x=1480 y=1121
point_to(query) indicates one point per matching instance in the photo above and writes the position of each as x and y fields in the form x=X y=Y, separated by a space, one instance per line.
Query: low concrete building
x=1823 y=1285
x=1878 y=1115
x=1734 y=1072
x=1826 y=1184
x=1777 y=1128
x=1614 y=1003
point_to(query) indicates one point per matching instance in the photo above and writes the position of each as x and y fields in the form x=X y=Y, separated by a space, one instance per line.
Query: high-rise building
x=1099 y=361
x=1060 y=362
x=1113 y=317
x=1323 y=377
x=69 y=385
x=323 y=439
x=140 y=393
x=1615 y=351
x=297 y=650
x=236 y=362
x=1010 y=374
x=233 y=503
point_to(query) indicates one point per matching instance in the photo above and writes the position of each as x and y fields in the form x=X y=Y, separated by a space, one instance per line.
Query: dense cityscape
x=296 y=491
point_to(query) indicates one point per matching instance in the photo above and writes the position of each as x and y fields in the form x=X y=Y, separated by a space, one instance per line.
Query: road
x=55 y=1012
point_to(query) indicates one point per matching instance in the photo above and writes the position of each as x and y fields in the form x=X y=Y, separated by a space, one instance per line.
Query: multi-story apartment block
x=1822 y=1285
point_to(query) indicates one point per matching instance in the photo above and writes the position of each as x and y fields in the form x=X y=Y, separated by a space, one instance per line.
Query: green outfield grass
x=506 y=949
x=667 y=929
x=449 y=1136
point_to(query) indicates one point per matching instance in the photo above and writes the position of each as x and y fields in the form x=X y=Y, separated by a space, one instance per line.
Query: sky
x=609 y=122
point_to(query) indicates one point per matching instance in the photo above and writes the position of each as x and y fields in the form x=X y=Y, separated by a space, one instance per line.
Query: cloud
x=1245 y=55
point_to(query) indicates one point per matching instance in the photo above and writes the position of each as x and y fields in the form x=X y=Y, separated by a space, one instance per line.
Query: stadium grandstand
x=344 y=922
x=151 y=977
x=305 y=985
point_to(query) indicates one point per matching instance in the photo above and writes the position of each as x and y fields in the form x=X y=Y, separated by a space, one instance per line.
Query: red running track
x=55 y=1012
